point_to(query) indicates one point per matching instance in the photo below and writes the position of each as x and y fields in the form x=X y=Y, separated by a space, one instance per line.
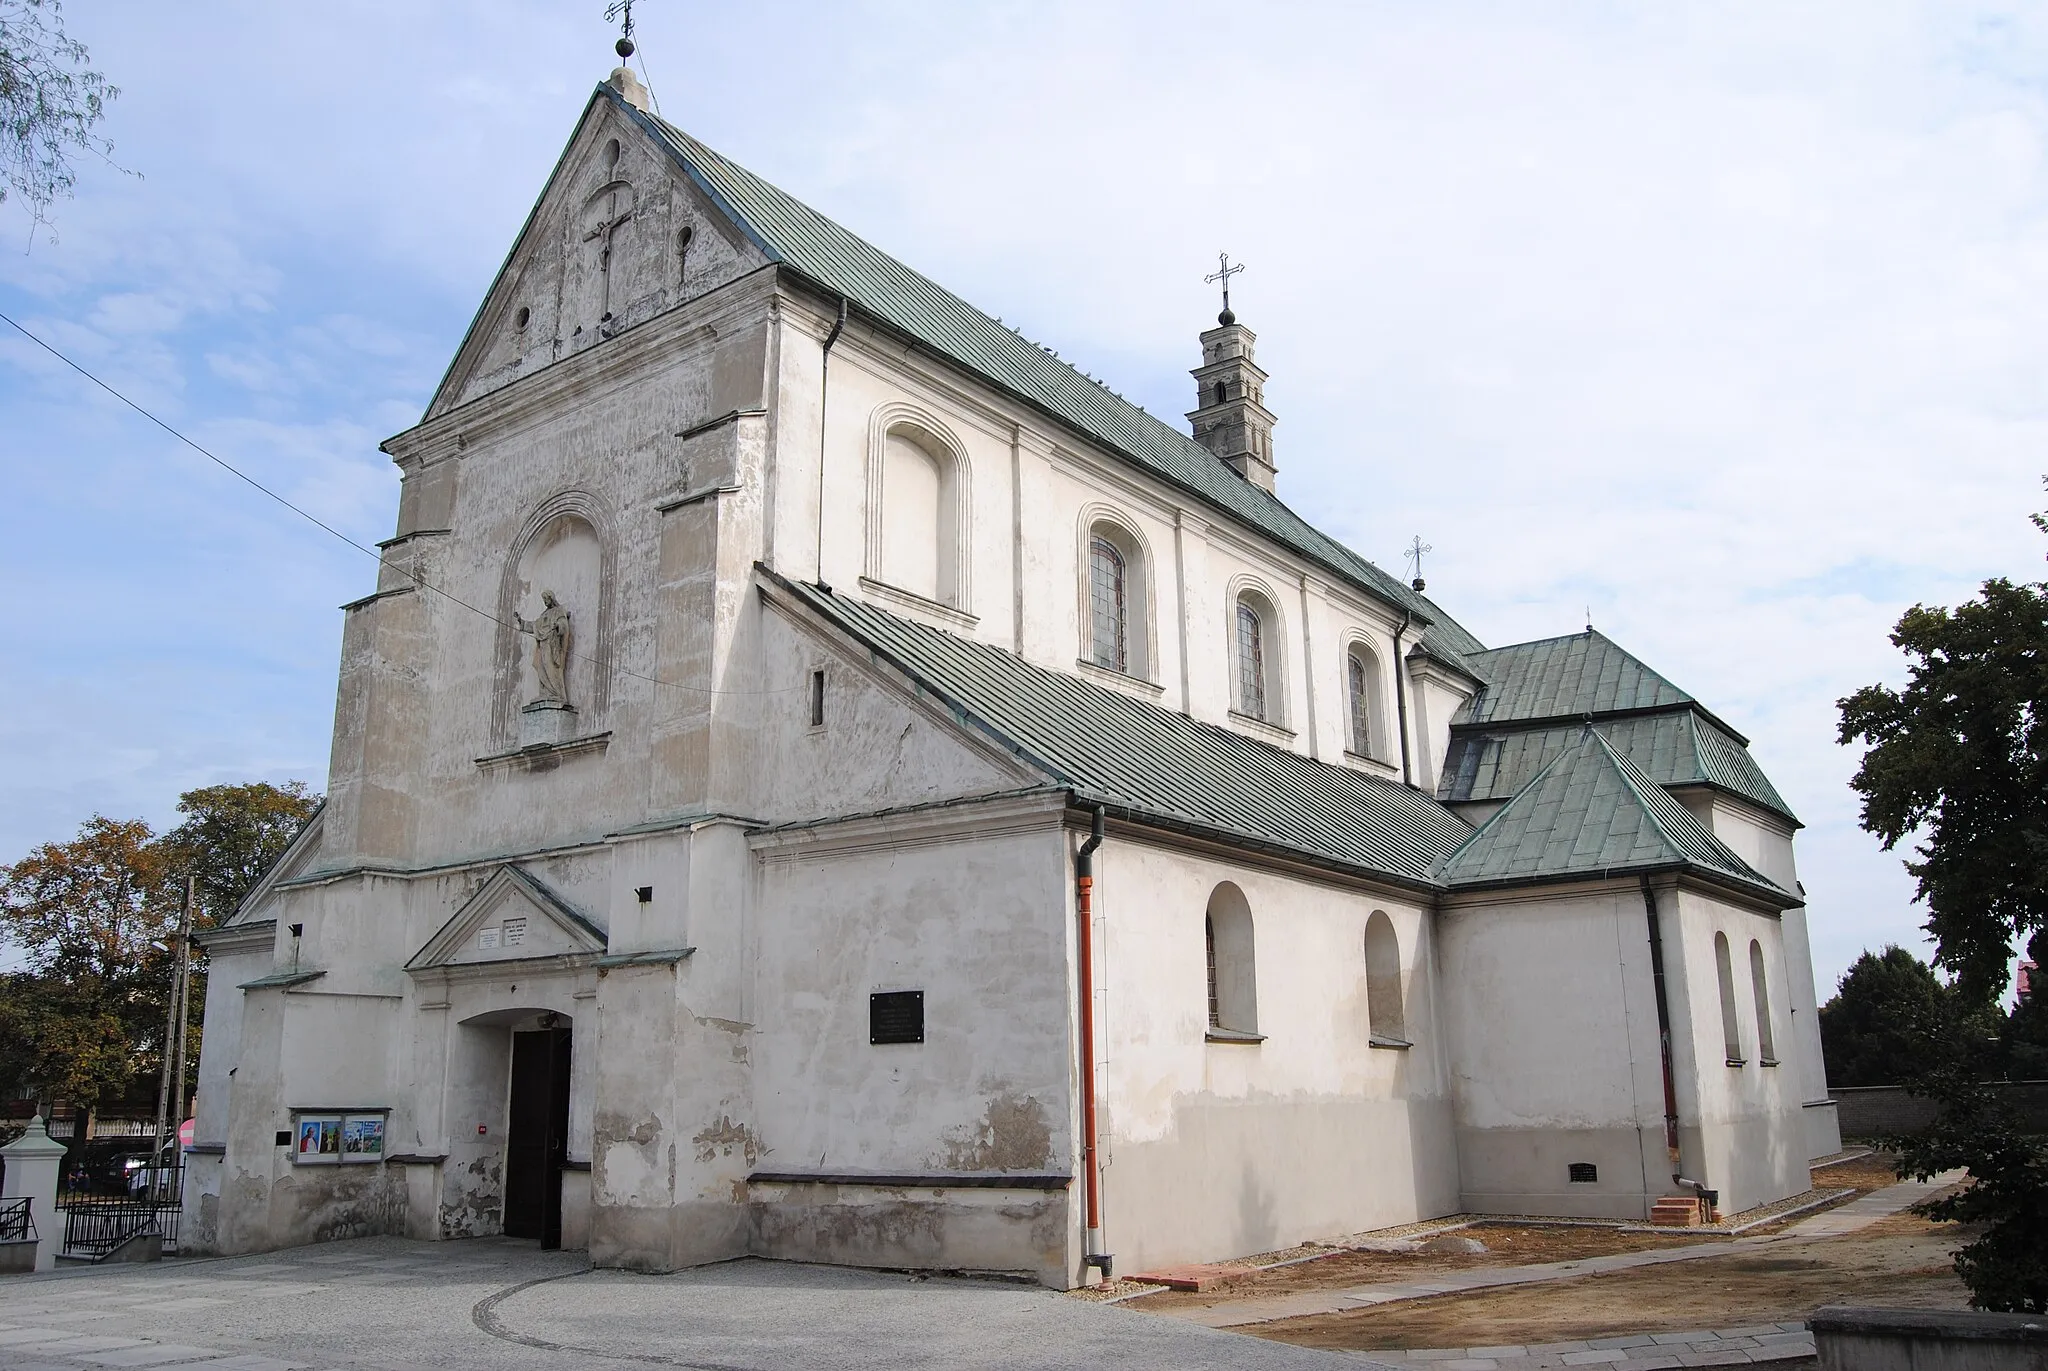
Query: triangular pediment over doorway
x=512 y=917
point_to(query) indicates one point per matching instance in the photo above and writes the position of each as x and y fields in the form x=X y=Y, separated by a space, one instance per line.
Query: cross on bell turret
x=1230 y=417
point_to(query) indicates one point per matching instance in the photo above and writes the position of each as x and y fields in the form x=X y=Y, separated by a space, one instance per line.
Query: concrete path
x=1848 y=1218
x=385 y=1304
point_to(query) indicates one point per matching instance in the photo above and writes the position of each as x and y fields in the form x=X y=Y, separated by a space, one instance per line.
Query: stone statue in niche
x=551 y=637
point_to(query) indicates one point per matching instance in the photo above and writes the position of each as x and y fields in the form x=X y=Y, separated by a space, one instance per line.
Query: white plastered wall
x=1550 y=1020
x=1218 y=1149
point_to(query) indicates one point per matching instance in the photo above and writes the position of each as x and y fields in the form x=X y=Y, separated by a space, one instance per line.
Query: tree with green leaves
x=1960 y=759
x=232 y=834
x=50 y=103
x=1888 y=1015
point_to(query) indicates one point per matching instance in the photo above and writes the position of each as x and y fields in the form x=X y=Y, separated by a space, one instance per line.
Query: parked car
x=158 y=1176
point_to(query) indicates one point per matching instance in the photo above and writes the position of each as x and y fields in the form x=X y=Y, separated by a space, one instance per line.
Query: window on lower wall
x=1766 y=1046
x=1387 y=1015
x=1731 y=1027
x=1233 y=973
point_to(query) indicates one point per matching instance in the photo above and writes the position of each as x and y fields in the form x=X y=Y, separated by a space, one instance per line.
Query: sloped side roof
x=797 y=235
x=1154 y=761
x=1564 y=678
x=1677 y=747
x=1591 y=813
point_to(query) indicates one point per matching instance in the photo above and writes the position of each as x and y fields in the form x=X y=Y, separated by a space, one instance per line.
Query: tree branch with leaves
x=50 y=103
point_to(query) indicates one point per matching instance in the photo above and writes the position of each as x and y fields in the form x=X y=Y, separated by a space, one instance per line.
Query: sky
x=1726 y=324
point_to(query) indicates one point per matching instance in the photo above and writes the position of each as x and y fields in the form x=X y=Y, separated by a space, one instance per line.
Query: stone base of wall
x=1850 y=1339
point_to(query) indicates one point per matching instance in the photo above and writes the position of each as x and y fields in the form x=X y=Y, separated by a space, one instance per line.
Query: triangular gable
x=296 y=859
x=611 y=242
x=511 y=917
x=1592 y=813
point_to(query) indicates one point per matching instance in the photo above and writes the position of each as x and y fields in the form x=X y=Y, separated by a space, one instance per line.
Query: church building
x=819 y=777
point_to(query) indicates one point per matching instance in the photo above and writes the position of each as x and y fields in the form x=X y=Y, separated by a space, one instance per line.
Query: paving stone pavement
x=1857 y=1214
x=1759 y=1344
x=386 y=1304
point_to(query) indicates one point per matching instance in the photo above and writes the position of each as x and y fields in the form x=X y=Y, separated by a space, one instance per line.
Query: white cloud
x=1729 y=320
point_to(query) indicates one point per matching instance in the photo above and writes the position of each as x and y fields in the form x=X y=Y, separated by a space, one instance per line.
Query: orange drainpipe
x=1084 y=899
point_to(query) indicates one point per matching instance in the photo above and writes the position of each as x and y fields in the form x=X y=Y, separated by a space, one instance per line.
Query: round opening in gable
x=519 y=319
x=611 y=154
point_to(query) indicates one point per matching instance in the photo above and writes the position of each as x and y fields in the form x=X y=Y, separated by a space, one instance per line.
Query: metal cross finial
x=621 y=12
x=1224 y=271
x=1414 y=558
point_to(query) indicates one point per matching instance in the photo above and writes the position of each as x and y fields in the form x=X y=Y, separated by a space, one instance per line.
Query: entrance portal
x=538 y=1144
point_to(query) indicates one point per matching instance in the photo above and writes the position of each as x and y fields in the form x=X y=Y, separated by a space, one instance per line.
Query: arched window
x=1233 y=974
x=1251 y=660
x=1766 y=1046
x=1362 y=679
x=1109 y=614
x=1222 y=392
x=1383 y=1006
x=1731 y=1029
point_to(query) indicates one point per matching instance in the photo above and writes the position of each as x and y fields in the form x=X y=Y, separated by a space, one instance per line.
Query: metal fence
x=96 y=1224
x=16 y=1223
x=93 y=1229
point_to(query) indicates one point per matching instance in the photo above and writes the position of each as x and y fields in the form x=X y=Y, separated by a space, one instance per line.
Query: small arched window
x=1222 y=392
x=1384 y=1010
x=1251 y=660
x=1731 y=1028
x=1233 y=974
x=1766 y=1045
x=1109 y=615
x=1362 y=680
x=683 y=254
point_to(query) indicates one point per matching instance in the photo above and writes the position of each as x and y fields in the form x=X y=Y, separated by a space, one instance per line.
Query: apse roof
x=1592 y=813
x=839 y=261
x=1156 y=762
x=1570 y=677
x=1675 y=748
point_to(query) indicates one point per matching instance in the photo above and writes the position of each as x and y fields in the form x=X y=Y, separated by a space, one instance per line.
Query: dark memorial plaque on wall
x=896 y=1016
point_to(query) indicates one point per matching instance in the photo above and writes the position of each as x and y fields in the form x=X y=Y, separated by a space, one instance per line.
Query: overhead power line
x=414 y=577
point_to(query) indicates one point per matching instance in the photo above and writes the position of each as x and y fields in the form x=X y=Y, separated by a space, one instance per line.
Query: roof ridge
x=1663 y=809
x=989 y=348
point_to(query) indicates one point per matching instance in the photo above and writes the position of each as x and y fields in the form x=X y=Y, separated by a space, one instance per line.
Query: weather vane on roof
x=1224 y=271
x=620 y=12
x=1413 y=555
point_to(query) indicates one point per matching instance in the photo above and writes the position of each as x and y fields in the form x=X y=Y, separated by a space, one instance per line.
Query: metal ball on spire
x=621 y=12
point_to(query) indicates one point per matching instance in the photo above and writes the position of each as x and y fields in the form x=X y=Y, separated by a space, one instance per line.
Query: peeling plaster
x=719 y=1140
x=1013 y=1135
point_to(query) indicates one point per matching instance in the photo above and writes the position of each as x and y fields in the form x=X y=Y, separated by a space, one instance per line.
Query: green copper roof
x=840 y=262
x=1564 y=678
x=1676 y=747
x=1591 y=813
x=1156 y=762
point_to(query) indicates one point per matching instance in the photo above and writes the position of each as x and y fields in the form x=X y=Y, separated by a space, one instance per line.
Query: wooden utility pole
x=184 y=1008
x=169 y=1096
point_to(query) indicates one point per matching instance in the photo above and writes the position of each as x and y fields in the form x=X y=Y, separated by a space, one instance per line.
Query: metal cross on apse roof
x=1224 y=271
x=1413 y=556
x=621 y=12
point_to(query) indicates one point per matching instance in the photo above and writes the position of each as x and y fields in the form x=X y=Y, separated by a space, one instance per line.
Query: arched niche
x=919 y=525
x=565 y=547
